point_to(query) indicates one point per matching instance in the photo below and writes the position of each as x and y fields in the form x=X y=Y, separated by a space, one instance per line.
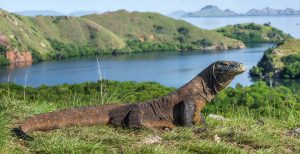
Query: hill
x=48 y=37
x=253 y=33
x=211 y=11
x=282 y=61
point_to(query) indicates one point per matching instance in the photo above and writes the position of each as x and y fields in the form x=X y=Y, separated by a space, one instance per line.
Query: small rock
x=217 y=138
x=260 y=122
x=200 y=130
x=217 y=117
x=152 y=140
x=167 y=129
x=294 y=132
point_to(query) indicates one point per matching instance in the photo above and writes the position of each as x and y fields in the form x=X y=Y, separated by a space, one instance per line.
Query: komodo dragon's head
x=223 y=72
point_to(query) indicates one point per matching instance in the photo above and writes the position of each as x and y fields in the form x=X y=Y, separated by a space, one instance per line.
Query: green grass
x=242 y=133
x=253 y=33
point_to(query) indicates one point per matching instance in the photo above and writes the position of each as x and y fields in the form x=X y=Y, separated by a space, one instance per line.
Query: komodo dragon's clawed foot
x=203 y=123
x=203 y=120
x=20 y=134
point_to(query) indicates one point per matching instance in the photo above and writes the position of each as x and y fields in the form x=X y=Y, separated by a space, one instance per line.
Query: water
x=168 y=68
x=288 y=24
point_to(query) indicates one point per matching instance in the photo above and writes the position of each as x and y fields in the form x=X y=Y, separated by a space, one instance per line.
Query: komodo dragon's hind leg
x=135 y=120
x=187 y=112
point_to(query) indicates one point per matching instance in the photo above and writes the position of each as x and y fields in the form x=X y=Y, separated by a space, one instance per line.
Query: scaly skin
x=179 y=108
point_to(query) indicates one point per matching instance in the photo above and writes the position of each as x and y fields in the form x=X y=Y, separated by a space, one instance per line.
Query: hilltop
x=48 y=37
x=254 y=33
x=282 y=61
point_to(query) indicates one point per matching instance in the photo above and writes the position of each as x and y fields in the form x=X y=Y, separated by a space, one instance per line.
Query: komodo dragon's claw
x=20 y=134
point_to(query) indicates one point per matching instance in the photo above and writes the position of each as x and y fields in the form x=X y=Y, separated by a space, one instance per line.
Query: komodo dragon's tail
x=76 y=116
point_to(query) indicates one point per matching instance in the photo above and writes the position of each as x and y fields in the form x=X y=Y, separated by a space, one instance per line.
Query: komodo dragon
x=179 y=108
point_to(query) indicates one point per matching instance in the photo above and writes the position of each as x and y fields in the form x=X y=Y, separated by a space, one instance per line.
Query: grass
x=242 y=133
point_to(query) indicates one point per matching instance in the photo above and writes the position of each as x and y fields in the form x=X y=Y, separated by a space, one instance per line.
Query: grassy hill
x=260 y=119
x=157 y=28
x=282 y=61
x=253 y=33
x=112 y=32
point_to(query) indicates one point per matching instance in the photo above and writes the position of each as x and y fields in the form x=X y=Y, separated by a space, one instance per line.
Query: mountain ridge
x=214 y=11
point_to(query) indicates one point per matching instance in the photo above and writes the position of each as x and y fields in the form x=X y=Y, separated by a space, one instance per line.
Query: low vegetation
x=282 y=61
x=259 y=120
x=3 y=60
x=254 y=33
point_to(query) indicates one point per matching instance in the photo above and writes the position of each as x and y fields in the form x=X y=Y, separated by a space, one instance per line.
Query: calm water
x=289 y=24
x=168 y=68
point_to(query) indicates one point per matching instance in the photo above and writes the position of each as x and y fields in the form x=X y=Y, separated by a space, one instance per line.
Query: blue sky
x=163 y=6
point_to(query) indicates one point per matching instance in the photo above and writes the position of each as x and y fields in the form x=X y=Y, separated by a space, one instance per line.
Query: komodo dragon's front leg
x=191 y=112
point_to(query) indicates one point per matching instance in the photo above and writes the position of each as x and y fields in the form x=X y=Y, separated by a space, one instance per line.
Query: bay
x=171 y=68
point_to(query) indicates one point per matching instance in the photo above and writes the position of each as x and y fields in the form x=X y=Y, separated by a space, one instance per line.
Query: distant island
x=214 y=11
x=27 y=39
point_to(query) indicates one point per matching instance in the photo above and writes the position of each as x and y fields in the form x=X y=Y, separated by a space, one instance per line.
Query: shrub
x=3 y=60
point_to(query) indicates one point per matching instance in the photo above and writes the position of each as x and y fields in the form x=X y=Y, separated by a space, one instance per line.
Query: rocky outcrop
x=3 y=40
x=19 y=57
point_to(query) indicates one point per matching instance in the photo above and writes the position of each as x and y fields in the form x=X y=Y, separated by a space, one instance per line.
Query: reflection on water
x=19 y=65
x=168 y=68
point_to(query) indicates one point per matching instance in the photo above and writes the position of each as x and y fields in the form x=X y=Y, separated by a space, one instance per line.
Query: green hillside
x=253 y=33
x=282 y=61
x=112 y=32
x=157 y=28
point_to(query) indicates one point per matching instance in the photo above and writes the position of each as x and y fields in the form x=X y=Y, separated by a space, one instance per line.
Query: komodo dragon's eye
x=225 y=63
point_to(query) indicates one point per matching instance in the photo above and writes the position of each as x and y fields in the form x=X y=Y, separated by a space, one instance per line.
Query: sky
x=162 y=6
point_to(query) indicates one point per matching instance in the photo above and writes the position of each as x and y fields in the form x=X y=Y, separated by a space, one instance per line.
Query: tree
x=2 y=49
x=183 y=31
x=203 y=43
